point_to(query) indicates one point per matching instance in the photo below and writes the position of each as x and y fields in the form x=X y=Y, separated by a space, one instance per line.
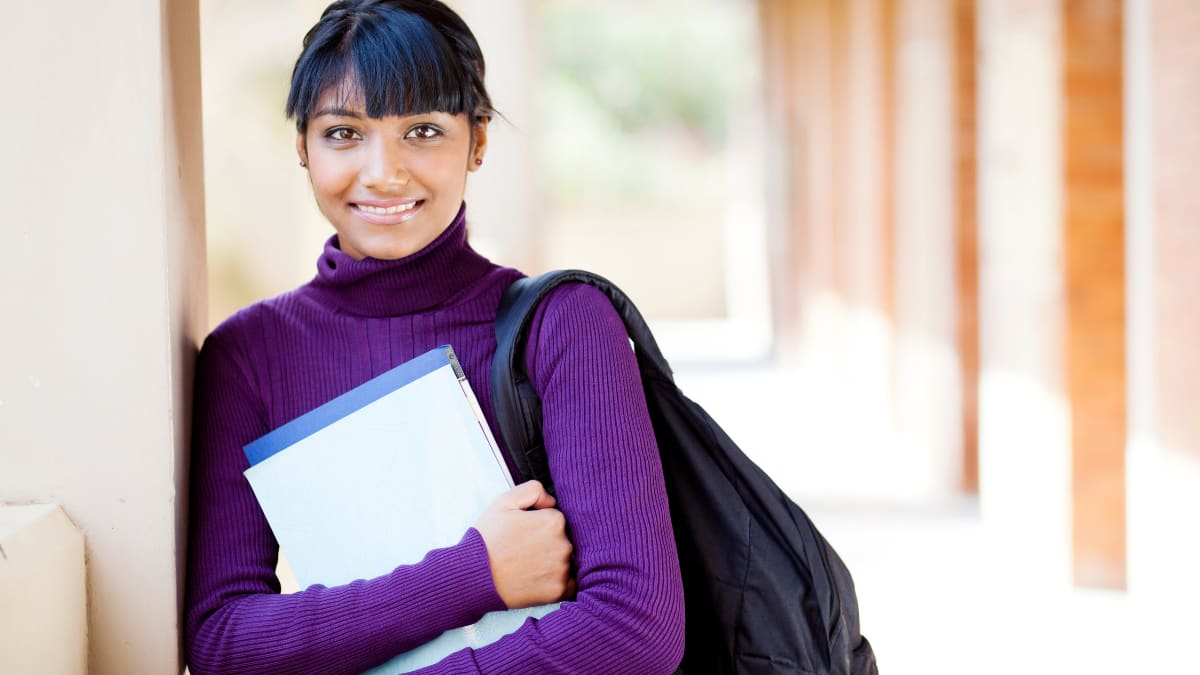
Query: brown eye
x=423 y=132
x=342 y=134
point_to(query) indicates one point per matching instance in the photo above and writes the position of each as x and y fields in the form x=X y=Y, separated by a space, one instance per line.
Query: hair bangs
x=388 y=65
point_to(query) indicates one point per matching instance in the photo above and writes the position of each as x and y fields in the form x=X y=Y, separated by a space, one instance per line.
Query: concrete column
x=1024 y=424
x=803 y=195
x=778 y=27
x=1094 y=261
x=863 y=108
x=799 y=64
x=1162 y=144
x=815 y=192
x=966 y=233
x=861 y=171
x=103 y=298
x=888 y=36
x=927 y=368
x=501 y=195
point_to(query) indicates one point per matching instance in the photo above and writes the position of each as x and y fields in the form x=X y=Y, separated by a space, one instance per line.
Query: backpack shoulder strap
x=518 y=410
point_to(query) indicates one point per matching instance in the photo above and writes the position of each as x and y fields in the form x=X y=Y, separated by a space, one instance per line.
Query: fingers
x=527 y=495
x=545 y=500
x=550 y=521
x=529 y=552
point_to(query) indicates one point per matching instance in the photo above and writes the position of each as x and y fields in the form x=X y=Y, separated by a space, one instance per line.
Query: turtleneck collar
x=418 y=282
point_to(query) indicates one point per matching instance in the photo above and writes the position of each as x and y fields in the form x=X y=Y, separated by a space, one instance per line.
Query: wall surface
x=928 y=377
x=43 y=603
x=103 y=297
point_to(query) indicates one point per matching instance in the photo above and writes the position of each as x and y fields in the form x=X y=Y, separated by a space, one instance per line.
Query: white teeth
x=399 y=208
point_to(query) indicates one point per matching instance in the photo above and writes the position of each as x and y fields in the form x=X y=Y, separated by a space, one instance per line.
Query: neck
x=418 y=282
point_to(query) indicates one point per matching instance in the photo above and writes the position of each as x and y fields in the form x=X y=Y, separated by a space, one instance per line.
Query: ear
x=302 y=148
x=478 y=143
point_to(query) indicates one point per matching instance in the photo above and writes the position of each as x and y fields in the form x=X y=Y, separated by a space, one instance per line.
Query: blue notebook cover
x=378 y=477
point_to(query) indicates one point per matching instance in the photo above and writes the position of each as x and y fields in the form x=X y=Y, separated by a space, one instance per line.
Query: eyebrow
x=340 y=112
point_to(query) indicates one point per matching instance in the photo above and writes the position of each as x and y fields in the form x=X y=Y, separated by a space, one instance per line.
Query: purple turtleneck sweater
x=280 y=358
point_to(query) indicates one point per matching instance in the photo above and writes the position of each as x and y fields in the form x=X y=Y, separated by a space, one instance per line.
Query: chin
x=390 y=254
x=390 y=249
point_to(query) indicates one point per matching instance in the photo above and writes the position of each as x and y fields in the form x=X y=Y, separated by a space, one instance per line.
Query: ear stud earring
x=478 y=161
x=303 y=163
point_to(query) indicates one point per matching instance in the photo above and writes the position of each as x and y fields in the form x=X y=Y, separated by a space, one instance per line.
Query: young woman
x=392 y=116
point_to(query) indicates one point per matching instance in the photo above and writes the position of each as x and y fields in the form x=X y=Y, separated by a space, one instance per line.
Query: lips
x=387 y=213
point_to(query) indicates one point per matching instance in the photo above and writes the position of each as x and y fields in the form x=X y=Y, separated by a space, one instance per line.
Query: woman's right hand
x=528 y=550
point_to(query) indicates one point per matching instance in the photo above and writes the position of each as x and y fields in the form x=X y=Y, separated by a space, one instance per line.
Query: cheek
x=330 y=176
x=447 y=171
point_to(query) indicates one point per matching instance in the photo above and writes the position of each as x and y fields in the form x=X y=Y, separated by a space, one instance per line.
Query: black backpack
x=764 y=592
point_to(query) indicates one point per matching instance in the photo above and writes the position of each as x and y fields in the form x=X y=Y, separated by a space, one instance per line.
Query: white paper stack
x=377 y=478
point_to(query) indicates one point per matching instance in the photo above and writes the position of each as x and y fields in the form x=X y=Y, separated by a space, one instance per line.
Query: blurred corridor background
x=930 y=262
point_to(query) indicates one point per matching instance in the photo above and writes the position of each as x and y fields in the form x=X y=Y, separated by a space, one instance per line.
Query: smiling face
x=389 y=185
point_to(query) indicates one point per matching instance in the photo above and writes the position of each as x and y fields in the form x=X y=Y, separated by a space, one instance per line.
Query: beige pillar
x=815 y=192
x=778 y=26
x=927 y=369
x=1176 y=147
x=1163 y=142
x=1024 y=451
x=103 y=297
x=799 y=65
x=862 y=116
x=501 y=195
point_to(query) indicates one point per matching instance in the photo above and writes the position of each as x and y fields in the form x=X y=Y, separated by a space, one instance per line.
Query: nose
x=385 y=167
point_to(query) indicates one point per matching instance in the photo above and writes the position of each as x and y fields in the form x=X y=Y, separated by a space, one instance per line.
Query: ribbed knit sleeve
x=628 y=615
x=236 y=620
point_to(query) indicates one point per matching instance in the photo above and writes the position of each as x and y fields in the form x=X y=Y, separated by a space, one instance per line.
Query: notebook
x=379 y=476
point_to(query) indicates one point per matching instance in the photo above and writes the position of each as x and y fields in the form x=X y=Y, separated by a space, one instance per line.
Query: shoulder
x=232 y=336
x=225 y=359
x=576 y=323
x=243 y=330
x=575 y=308
x=240 y=342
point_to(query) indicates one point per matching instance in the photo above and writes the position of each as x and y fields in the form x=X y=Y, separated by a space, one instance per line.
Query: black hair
x=401 y=57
